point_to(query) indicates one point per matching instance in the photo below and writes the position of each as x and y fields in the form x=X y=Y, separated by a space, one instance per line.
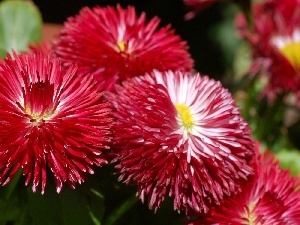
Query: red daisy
x=276 y=39
x=49 y=118
x=181 y=135
x=271 y=196
x=115 y=43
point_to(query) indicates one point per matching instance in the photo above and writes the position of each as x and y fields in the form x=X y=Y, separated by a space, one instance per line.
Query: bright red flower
x=181 y=135
x=114 y=44
x=50 y=118
x=275 y=38
x=271 y=196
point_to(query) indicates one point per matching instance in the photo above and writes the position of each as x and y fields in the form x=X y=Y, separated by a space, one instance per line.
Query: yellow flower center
x=38 y=100
x=185 y=115
x=121 y=46
x=249 y=214
x=251 y=217
x=292 y=52
x=37 y=116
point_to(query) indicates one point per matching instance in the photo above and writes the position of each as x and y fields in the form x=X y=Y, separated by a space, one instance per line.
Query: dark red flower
x=181 y=135
x=275 y=38
x=114 y=43
x=271 y=196
x=49 y=118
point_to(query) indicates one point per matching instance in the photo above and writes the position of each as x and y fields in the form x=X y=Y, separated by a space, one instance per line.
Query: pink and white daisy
x=114 y=43
x=180 y=134
x=271 y=196
x=50 y=118
x=275 y=38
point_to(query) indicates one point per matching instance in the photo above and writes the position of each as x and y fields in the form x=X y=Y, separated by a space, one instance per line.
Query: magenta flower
x=115 y=43
x=50 y=118
x=275 y=39
x=271 y=196
x=181 y=135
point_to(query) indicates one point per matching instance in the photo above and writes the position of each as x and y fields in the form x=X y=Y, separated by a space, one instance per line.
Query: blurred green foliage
x=20 y=25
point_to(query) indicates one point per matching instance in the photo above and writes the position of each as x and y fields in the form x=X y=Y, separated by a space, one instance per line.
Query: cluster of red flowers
x=271 y=196
x=116 y=89
x=180 y=134
x=123 y=45
x=275 y=40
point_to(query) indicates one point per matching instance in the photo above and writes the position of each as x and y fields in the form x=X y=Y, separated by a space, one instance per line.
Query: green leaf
x=20 y=25
x=71 y=207
x=290 y=159
x=74 y=209
x=121 y=210
x=44 y=209
x=95 y=205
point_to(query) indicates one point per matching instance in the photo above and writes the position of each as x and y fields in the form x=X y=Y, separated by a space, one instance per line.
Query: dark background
x=204 y=49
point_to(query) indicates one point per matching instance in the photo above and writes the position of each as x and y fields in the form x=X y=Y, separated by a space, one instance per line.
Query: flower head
x=115 y=43
x=181 y=135
x=49 y=118
x=276 y=38
x=271 y=196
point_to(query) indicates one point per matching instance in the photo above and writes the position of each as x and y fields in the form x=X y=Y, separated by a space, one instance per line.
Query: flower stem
x=120 y=211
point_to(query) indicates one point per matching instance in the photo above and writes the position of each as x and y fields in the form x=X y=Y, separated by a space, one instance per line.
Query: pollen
x=251 y=216
x=121 y=46
x=38 y=100
x=185 y=115
x=292 y=52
